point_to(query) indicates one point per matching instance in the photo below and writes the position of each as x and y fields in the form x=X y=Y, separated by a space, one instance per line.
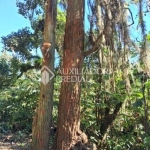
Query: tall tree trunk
x=106 y=60
x=43 y=115
x=69 y=105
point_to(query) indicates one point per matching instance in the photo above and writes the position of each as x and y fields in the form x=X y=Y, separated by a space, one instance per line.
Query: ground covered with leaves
x=15 y=141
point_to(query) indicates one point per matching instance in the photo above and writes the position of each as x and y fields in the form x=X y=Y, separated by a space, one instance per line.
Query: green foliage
x=22 y=43
x=19 y=74
x=30 y=8
x=148 y=37
x=4 y=72
x=18 y=96
x=9 y=68
x=60 y=28
x=18 y=103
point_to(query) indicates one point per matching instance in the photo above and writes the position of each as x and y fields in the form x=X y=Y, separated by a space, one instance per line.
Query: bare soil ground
x=15 y=141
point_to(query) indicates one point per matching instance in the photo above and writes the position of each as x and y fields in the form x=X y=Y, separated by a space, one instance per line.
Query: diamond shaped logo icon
x=46 y=75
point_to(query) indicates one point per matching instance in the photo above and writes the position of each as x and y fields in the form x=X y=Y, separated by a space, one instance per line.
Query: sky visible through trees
x=10 y=20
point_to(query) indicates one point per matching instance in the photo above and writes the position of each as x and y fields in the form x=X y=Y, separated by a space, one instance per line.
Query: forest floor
x=21 y=141
x=15 y=141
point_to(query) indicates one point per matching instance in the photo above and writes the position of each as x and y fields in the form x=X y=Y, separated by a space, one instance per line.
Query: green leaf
x=138 y=103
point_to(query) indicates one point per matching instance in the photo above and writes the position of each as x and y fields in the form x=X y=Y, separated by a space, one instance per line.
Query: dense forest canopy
x=96 y=90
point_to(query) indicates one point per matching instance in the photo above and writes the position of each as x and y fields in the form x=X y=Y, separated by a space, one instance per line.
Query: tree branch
x=95 y=46
x=26 y=67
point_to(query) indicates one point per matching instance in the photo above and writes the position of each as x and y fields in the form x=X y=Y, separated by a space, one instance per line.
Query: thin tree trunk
x=43 y=115
x=69 y=105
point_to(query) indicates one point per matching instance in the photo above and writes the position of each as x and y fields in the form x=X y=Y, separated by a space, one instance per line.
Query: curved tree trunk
x=43 y=115
x=69 y=105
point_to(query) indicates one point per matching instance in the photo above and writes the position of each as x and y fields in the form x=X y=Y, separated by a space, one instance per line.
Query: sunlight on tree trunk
x=69 y=106
x=43 y=115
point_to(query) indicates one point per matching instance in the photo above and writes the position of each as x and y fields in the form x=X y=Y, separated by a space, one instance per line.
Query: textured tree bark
x=107 y=27
x=43 y=115
x=68 y=131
